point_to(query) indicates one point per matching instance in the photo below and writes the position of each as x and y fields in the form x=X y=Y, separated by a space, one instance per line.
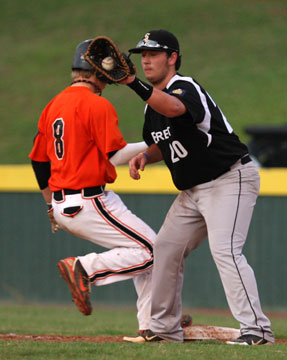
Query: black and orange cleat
x=78 y=281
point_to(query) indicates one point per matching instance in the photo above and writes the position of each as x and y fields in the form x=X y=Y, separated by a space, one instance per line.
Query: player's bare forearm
x=158 y=100
x=154 y=154
x=151 y=155
x=166 y=104
x=47 y=195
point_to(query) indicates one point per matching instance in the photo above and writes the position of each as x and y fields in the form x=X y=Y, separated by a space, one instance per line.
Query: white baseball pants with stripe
x=220 y=210
x=106 y=221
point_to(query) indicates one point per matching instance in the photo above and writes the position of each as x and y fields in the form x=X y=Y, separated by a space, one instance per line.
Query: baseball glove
x=121 y=66
x=186 y=320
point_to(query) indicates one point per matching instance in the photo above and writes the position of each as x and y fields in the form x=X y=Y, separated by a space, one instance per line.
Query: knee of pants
x=225 y=253
x=168 y=253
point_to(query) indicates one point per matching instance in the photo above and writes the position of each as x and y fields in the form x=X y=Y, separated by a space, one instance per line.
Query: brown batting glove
x=54 y=226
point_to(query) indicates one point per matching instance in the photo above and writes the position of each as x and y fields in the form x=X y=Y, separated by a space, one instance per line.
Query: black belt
x=245 y=159
x=88 y=192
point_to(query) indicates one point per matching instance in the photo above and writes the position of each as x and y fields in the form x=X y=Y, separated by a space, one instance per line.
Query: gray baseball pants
x=220 y=210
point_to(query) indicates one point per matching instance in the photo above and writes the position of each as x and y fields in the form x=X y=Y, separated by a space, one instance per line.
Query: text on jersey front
x=161 y=135
x=177 y=151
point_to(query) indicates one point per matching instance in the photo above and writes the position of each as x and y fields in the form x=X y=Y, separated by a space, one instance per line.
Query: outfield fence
x=29 y=252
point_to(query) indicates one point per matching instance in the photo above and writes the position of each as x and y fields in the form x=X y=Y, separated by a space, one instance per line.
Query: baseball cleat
x=134 y=339
x=143 y=337
x=78 y=281
x=186 y=320
x=249 y=340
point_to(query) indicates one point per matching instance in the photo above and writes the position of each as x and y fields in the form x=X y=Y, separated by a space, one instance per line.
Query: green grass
x=83 y=351
x=236 y=49
x=64 y=320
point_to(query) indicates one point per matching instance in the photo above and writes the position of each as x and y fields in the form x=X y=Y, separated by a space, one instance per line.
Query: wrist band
x=145 y=155
x=143 y=89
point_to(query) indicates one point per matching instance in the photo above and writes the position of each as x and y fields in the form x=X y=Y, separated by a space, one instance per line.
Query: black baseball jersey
x=198 y=146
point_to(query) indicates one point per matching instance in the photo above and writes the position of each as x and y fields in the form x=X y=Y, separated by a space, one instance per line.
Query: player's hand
x=128 y=80
x=137 y=163
x=54 y=226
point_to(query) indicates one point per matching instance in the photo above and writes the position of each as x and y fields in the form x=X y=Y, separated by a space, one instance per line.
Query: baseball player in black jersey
x=219 y=186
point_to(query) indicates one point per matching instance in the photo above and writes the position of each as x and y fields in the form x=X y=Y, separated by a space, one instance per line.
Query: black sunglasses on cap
x=151 y=45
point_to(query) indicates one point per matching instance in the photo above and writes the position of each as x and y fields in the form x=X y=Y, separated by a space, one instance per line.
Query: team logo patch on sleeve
x=179 y=92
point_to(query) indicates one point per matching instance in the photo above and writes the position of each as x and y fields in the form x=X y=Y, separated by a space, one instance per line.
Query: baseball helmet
x=79 y=62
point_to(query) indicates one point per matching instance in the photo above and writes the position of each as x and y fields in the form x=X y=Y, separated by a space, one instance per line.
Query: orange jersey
x=76 y=132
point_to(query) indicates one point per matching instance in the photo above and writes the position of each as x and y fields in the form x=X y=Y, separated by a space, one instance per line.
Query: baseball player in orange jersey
x=75 y=150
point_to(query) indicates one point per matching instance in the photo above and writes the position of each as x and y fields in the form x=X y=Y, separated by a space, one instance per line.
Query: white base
x=208 y=332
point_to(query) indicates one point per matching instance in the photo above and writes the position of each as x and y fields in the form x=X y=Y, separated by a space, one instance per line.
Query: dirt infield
x=197 y=332
x=62 y=338
x=90 y=339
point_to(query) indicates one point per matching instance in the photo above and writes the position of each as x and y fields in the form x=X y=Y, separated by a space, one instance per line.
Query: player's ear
x=172 y=58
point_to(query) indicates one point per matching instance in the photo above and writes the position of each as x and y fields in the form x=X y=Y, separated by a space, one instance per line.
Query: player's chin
x=149 y=76
x=153 y=79
x=101 y=84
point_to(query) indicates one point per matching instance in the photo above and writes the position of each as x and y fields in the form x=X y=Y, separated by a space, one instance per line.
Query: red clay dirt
x=62 y=338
